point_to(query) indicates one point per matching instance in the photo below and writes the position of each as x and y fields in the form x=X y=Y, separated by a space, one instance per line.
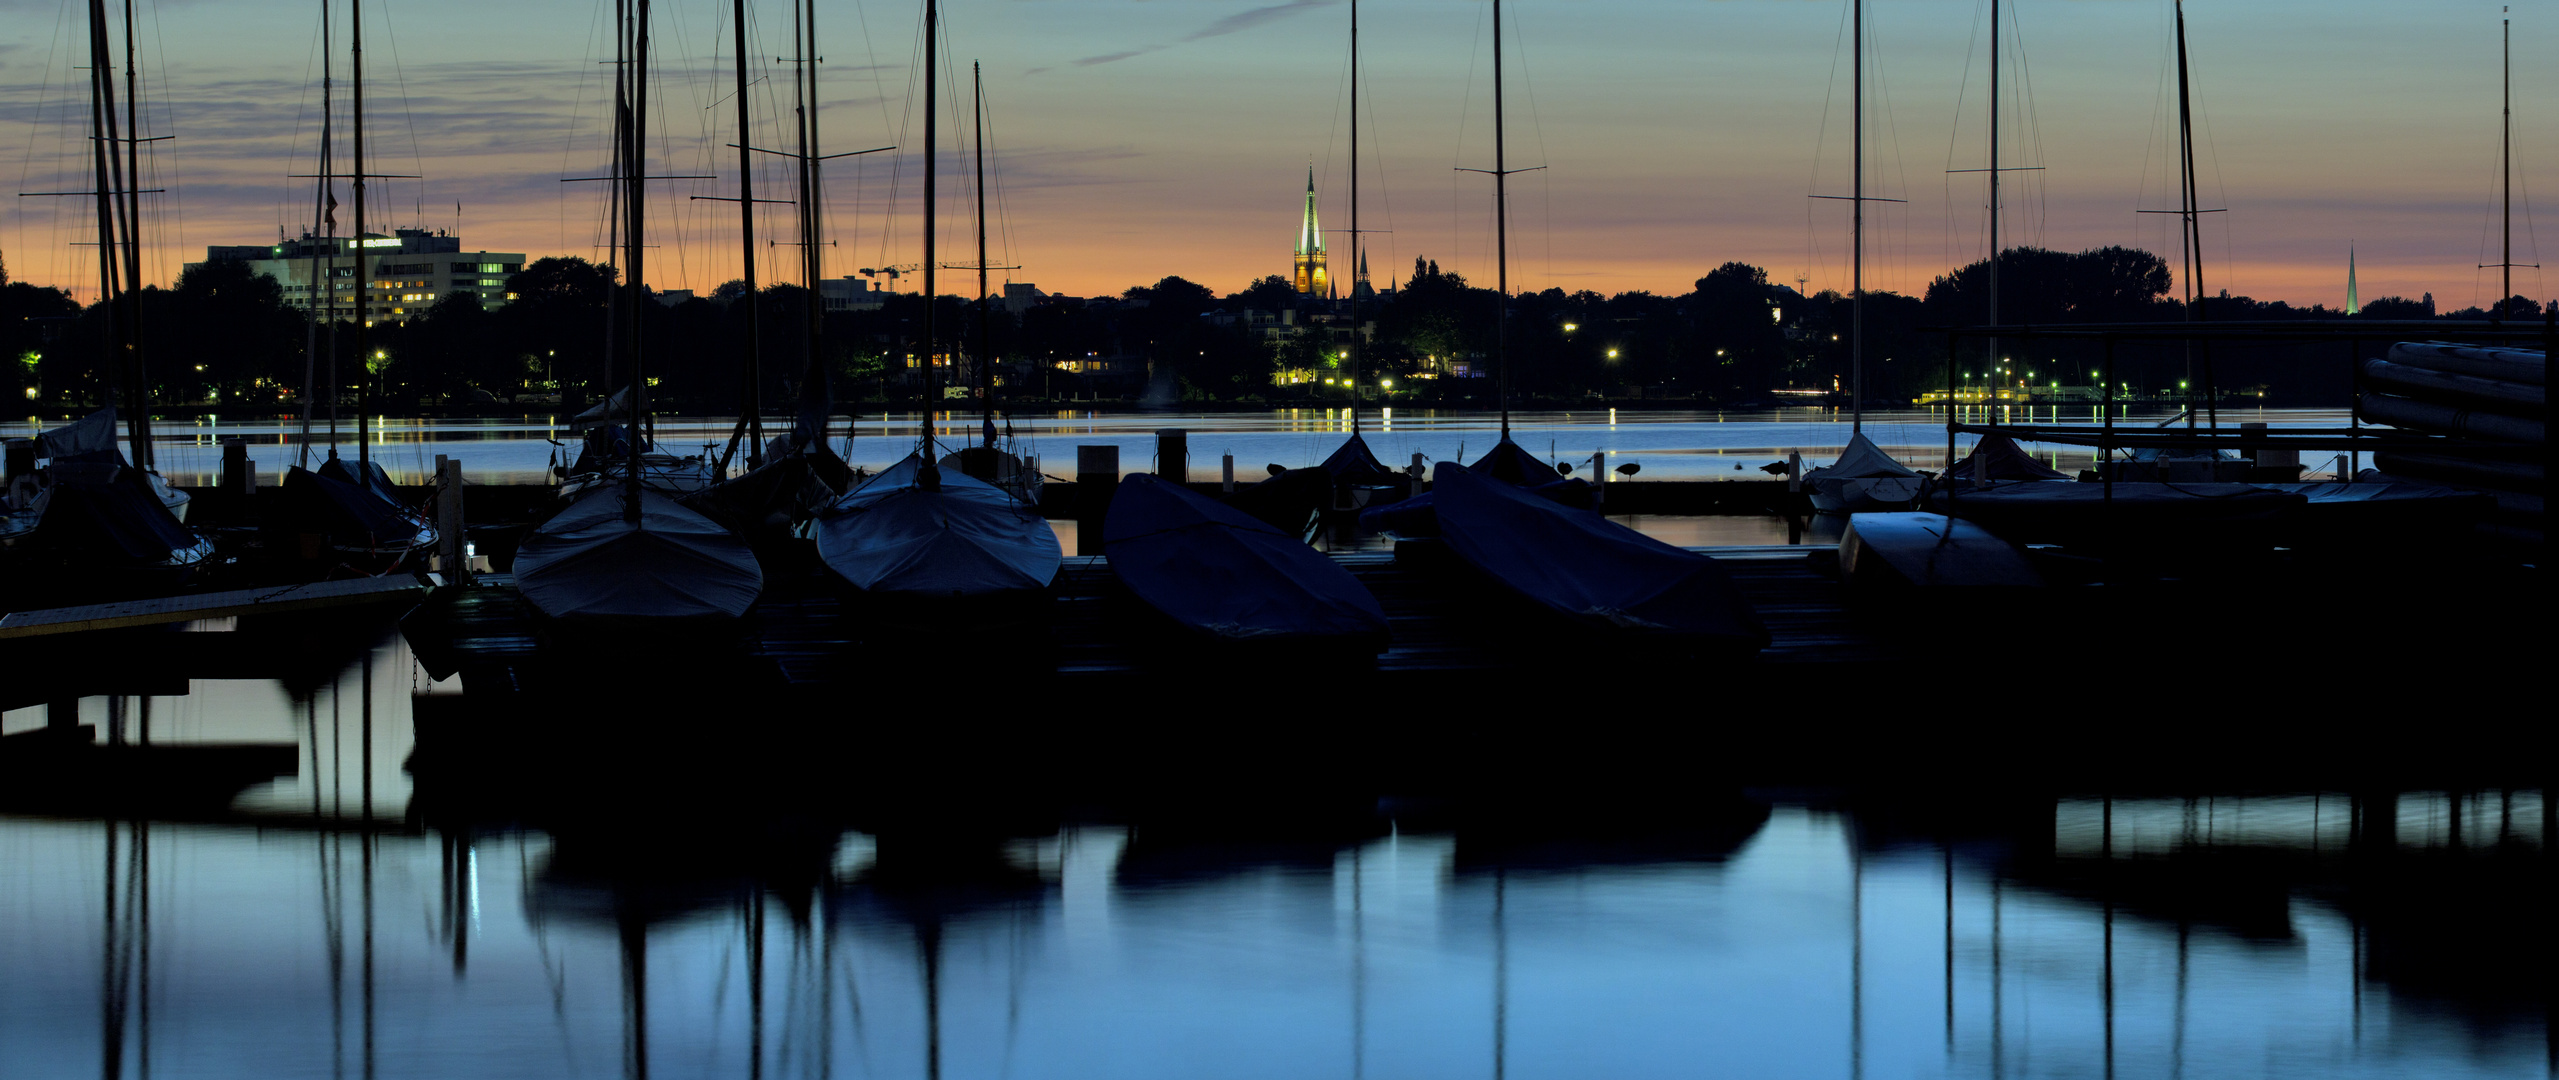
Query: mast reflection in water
x=2376 y=935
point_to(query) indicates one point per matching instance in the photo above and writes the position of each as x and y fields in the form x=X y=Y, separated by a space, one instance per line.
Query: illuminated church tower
x=1310 y=277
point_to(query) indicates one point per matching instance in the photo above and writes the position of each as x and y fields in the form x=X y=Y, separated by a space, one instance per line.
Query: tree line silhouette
x=223 y=338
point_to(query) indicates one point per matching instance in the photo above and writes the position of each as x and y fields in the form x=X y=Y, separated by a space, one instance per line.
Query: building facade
x=1310 y=275
x=406 y=272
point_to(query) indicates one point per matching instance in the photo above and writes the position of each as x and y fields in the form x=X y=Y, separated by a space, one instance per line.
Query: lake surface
x=328 y=924
x=1667 y=444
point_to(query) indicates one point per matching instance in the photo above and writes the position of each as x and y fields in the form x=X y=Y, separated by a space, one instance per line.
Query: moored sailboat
x=917 y=531
x=624 y=556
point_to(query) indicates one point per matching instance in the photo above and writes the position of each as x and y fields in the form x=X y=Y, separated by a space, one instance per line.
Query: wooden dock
x=201 y=607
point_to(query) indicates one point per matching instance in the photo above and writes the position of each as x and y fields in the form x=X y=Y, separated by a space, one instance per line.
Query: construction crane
x=893 y=272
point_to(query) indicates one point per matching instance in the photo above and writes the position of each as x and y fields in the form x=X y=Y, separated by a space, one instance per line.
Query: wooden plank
x=194 y=606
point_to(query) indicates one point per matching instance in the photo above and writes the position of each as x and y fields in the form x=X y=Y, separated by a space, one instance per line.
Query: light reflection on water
x=1669 y=444
x=295 y=952
x=2235 y=936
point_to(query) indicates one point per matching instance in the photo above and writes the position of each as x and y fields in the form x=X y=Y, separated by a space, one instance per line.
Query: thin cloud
x=1236 y=23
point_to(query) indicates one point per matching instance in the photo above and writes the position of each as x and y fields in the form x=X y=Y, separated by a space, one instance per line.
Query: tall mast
x=1990 y=378
x=928 y=476
x=103 y=165
x=636 y=178
x=2192 y=238
x=1354 y=349
x=132 y=172
x=1857 y=226
x=985 y=333
x=816 y=399
x=364 y=265
x=319 y=276
x=1502 y=236
x=2506 y=165
x=751 y=401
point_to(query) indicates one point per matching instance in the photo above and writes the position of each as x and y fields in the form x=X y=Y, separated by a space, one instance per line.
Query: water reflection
x=1786 y=940
x=344 y=915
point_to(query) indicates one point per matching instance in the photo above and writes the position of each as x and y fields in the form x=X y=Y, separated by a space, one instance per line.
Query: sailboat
x=1018 y=475
x=1865 y=477
x=1356 y=473
x=93 y=508
x=339 y=517
x=1495 y=519
x=797 y=476
x=626 y=556
x=919 y=532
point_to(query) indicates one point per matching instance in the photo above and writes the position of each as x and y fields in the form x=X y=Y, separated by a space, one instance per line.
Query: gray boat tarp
x=94 y=434
x=1582 y=565
x=1998 y=457
x=968 y=538
x=1215 y=569
x=589 y=563
x=1860 y=459
x=109 y=515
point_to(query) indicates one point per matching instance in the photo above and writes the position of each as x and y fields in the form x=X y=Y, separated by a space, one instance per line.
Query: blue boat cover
x=1354 y=463
x=1216 y=569
x=968 y=538
x=319 y=503
x=1998 y=457
x=1585 y=566
x=1418 y=516
x=590 y=564
x=89 y=438
x=112 y=517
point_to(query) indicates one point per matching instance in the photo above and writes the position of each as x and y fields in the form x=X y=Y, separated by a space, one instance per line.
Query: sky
x=1132 y=139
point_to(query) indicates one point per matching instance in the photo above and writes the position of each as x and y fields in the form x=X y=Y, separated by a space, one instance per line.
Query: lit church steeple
x=1310 y=278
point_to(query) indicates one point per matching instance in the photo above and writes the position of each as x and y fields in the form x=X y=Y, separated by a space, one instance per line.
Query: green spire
x=1310 y=237
x=2352 y=304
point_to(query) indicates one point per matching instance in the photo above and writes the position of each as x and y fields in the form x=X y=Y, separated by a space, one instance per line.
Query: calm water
x=1764 y=935
x=1670 y=445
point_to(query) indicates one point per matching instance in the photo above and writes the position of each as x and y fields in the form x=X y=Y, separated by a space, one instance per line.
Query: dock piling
x=452 y=541
x=1173 y=454
x=1230 y=474
x=239 y=474
x=1097 y=475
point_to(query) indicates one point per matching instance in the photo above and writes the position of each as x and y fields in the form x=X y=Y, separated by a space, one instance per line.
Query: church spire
x=2353 y=305
x=1310 y=278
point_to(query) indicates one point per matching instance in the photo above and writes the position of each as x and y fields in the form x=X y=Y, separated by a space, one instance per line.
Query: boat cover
x=1419 y=516
x=785 y=492
x=1932 y=550
x=966 y=539
x=587 y=563
x=348 y=473
x=1216 y=569
x=1998 y=457
x=1354 y=464
x=1582 y=565
x=316 y=502
x=619 y=405
x=1861 y=458
x=91 y=437
x=2080 y=512
x=113 y=517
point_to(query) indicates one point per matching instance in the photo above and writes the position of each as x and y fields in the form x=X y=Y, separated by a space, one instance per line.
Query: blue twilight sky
x=1137 y=138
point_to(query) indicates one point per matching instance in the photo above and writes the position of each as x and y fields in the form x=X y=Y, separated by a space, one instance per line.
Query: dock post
x=1097 y=475
x=1230 y=474
x=1173 y=454
x=238 y=475
x=62 y=714
x=451 y=537
x=1794 y=472
x=1599 y=481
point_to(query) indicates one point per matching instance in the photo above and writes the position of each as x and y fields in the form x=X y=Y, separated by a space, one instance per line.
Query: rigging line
x=2033 y=124
x=1821 y=137
x=1537 y=131
x=1465 y=106
x=26 y=162
x=1385 y=199
x=301 y=115
x=2150 y=135
x=1332 y=131
x=897 y=160
x=871 y=62
x=1901 y=164
x=577 y=105
x=408 y=107
x=1963 y=89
